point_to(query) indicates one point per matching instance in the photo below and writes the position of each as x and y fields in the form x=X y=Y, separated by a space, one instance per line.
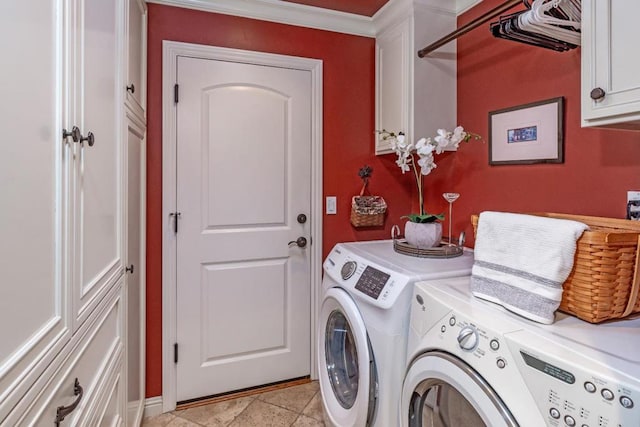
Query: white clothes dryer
x=472 y=363
x=362 y=328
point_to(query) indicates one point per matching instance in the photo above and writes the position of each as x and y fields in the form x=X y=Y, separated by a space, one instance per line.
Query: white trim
x=284 y=13
x=170 y=52
x=152 y=407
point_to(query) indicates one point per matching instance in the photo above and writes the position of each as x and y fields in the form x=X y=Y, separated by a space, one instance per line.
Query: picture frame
x=527 y=134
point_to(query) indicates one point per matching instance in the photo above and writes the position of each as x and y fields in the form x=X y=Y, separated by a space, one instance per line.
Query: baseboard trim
x=152 y=407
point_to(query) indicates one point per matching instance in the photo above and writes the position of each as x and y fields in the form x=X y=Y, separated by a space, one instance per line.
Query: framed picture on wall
x=527 y=134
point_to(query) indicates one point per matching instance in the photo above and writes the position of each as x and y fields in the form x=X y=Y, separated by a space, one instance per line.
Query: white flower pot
x=423 y=235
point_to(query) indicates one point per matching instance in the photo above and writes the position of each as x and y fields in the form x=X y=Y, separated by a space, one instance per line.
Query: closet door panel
x=98 y=185
x=33 y=320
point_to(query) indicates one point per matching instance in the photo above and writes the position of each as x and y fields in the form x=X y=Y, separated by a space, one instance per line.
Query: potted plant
x=423 y=229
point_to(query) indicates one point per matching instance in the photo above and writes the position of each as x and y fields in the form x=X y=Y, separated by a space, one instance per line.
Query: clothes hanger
x=537 y=21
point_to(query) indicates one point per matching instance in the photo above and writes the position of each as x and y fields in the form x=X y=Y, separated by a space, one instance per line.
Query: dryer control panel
x=571 y=389
x=368 y=281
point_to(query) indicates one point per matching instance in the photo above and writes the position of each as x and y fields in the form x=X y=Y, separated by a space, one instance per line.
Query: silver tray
x=445 y=250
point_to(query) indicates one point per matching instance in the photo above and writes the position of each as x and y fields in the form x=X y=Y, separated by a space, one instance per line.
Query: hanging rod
x=469 y=26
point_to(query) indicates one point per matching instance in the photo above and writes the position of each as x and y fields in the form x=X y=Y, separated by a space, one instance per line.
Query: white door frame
x=170 y=52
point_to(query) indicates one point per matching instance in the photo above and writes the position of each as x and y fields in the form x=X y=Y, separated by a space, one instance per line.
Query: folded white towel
x=521 y=261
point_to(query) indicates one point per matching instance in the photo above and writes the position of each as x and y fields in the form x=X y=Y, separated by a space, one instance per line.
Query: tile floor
x=297 y=406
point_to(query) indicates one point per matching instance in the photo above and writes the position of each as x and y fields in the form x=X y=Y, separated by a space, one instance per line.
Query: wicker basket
x=604 y=283
x=367 y=211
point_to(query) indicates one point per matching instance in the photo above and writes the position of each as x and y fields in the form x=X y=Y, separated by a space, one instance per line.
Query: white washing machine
x=362 y=329
x=472 y=363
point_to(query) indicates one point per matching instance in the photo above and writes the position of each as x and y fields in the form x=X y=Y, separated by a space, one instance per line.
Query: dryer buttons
x=554 y=413
x=607 y=394
x=569 y=420
x=494 y=344
x=626 y=402
x=590 y=387
x=452 y=321
x=500 y=363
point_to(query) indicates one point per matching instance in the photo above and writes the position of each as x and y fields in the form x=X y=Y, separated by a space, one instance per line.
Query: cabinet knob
x=131 y=88
x=597 y=94
x=90 y=138
x=74 y=134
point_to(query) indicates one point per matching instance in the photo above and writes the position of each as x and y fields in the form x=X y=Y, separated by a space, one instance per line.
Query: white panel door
x=98 y=184
x=33 y=165
x=135 y=273
x=243 y=177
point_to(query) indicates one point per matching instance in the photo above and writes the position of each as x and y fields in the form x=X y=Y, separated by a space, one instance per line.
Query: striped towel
x=521 y=262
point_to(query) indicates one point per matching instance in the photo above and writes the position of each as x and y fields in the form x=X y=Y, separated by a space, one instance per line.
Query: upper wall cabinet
x=610 y=69
x=136 y=56
x=414 y=95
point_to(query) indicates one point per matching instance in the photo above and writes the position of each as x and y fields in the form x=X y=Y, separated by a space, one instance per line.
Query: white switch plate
x=331 y=205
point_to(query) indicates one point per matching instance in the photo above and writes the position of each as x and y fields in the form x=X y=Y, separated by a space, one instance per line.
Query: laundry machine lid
x=347 y=372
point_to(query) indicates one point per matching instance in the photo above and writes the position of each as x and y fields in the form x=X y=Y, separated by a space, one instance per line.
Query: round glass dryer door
x=346 y=366
x=442 y=391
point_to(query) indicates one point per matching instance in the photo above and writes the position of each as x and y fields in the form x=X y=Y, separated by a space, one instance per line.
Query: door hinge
x=175 y=93
x=175 y=353
x=176 y=216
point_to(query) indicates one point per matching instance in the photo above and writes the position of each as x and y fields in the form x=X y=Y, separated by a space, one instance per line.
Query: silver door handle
x=301 y=242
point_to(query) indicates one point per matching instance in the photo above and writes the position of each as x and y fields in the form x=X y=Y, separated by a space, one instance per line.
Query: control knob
x=348 y=269
x=468 y=338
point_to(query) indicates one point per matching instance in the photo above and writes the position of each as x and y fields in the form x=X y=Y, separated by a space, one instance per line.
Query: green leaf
x=424 y=218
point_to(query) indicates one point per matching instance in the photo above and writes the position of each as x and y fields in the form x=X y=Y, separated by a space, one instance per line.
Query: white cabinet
x=63 y=305
x=95 y=106
x=136 y=56
x=135 y=268
x=414 y=95
x=35 y=173
x=610 y=67
x=135 y=172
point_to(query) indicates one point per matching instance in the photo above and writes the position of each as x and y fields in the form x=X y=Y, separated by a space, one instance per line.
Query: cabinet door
x=135 y=271
x=393 y=83
x=33 y=165
x=610 y=36
x=136 y=55
x=98 y=203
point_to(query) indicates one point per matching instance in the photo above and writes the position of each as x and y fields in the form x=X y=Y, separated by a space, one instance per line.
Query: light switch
x=331 y=205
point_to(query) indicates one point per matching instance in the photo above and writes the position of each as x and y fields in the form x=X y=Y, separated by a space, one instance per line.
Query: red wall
x=349 y=78
x=600 y=165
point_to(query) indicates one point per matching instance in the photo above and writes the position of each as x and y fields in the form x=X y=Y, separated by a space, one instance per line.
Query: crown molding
x=396 y=11
x=283 y=12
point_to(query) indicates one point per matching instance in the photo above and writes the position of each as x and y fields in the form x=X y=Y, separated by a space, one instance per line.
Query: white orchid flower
x=443 y=140
x=427 y=164
x=421 y=154
x=424 y=146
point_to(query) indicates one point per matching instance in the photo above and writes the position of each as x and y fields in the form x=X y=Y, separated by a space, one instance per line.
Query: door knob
x=131 y=88
x=302 y=218
x=301 y=242
x=129 y=269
